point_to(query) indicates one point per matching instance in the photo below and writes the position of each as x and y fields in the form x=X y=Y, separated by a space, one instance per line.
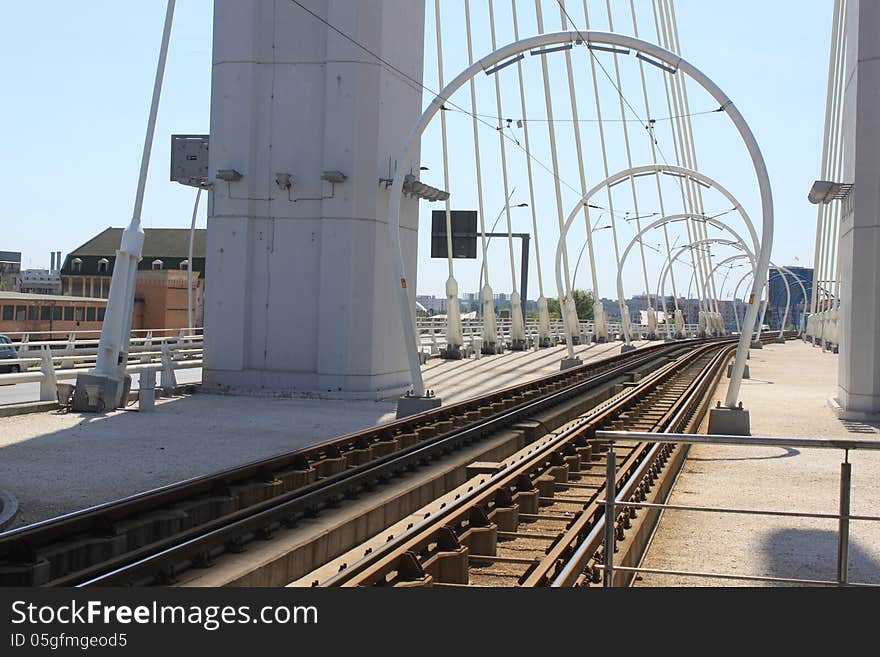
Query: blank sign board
x=464 y=234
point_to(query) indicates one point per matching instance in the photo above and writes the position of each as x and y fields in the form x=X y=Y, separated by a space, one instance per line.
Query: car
x=8 y=352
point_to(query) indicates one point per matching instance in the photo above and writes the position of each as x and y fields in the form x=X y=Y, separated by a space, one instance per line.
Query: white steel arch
x=675 y=62
x=656 y=224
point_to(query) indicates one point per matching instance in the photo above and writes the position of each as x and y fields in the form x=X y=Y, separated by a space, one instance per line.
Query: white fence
x=48 y=361
x=432 y=332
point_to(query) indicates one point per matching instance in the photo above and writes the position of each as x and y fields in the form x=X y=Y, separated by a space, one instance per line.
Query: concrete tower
x=299 y=294
x=859 y=374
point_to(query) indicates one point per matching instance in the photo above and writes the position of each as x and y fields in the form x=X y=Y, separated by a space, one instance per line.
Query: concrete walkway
x=56 y=463
x=786 y=396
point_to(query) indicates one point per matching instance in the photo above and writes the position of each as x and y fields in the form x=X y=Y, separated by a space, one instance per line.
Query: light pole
x=492 y=234
x=106 y=386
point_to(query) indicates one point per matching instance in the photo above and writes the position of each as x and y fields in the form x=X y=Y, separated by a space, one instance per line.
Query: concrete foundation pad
x=96 y=393
x=57 y=463
x=407 y=406
x=746 y=374
x=725 y=421
x=568 y=363
x=625 y=349
x=756 y=344
x=856 y=416
x=786 y=397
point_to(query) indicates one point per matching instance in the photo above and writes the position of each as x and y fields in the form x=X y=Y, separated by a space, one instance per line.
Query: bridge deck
x=58 y=463
x=786 y=396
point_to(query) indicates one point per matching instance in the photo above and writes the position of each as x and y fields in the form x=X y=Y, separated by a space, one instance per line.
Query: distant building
x=160 y=292
x=777 y=297
x=10 y=271
x=40 y=281
x=433 y=305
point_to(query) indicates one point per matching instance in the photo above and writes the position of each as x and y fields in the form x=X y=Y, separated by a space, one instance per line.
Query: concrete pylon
x=297 y=283
x=858 y=391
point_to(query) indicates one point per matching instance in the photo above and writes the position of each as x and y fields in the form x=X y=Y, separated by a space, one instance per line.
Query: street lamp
x=492 y=234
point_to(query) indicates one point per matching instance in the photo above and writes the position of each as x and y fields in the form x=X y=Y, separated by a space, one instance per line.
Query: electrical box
x=464 y=234
x=189 y=159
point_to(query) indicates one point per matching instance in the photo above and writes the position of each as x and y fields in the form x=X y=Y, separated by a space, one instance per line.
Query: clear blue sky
x=78 y=78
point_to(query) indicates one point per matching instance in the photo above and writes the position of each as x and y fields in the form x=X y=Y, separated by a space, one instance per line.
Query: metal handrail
x=844 y=517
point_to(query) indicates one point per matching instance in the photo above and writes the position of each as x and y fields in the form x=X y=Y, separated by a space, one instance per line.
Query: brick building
x=160 y=291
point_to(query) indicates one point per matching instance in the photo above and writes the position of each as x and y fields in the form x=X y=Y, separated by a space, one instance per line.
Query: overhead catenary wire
x=418 y=85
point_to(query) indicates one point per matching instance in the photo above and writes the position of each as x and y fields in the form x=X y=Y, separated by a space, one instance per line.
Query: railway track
x=540 y=521
x=149 y=537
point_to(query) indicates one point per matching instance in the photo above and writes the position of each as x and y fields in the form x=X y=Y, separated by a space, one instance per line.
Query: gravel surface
x=56 y=463
x=786 y=396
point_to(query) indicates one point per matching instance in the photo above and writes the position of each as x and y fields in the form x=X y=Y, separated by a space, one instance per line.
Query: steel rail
x=570 y=571
x=162 y=555
x=105 y=514
x=375 y=567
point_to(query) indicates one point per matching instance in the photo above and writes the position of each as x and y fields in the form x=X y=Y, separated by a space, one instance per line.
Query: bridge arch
x=514 y=50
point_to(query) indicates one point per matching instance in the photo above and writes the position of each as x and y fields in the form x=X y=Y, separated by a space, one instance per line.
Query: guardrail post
x=610 y=494
x=843 y=526
x=147 y=391
x=169 y=379
x=23 y=346
x=70 y=349
x=148 y=343
x=48 y=384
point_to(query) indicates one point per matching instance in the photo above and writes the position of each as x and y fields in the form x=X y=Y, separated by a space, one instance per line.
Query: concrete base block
x=853 y=416
x=756 y=344
x=725 y=421
x=452 y=352
x=492 y=349
x=545 y=343
x=626 y=348
x=407 y=406
x=96 y=393
x=568 y=363
x=518 y=345
x=779 y=340
x=746 y=374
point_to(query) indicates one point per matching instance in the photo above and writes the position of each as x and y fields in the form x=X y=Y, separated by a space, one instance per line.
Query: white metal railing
x=622 y=502
x=432 y=332
x=48 y=361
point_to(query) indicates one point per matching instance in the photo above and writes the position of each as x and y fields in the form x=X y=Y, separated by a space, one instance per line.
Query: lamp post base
x=97 y=393
x=746 y=374
x=568 y=363
x=409 y=405
x=491 y=349
x=724 y=421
